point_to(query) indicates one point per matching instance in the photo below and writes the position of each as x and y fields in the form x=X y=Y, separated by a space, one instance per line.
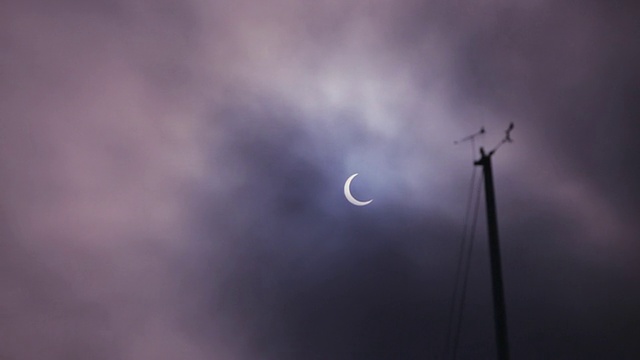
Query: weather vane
x=471 y=137
x=506 y=139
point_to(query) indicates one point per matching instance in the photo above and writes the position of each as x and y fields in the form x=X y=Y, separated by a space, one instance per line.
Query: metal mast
x=499 y=310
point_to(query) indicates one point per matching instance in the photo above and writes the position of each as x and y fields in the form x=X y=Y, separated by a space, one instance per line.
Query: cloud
x=172 y=175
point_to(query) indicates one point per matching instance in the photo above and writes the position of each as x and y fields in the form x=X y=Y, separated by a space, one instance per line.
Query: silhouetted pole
x=499 y=311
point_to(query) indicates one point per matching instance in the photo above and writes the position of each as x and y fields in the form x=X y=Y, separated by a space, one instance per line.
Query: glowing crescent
x=347 y=193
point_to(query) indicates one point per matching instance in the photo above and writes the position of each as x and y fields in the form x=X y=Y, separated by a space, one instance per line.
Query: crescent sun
x=350 y=198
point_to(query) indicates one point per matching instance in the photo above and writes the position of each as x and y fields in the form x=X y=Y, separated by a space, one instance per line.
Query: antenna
x=506 y=139
x=470 y=137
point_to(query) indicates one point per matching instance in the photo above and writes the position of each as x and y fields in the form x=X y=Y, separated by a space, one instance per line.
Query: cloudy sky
x=171 y=178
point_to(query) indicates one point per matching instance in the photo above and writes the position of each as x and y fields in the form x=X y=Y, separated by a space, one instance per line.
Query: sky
x=171 y=178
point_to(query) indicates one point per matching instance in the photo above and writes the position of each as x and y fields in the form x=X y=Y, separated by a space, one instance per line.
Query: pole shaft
x=496 y=265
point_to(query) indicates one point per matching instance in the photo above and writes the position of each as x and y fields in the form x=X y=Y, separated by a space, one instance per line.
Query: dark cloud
x=172 y=178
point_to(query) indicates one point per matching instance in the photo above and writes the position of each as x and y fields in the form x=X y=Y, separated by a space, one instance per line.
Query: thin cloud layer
x=172 y=177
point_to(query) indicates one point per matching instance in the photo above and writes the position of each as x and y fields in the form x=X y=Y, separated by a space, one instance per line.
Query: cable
x=463 y=243
x=466 y=271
